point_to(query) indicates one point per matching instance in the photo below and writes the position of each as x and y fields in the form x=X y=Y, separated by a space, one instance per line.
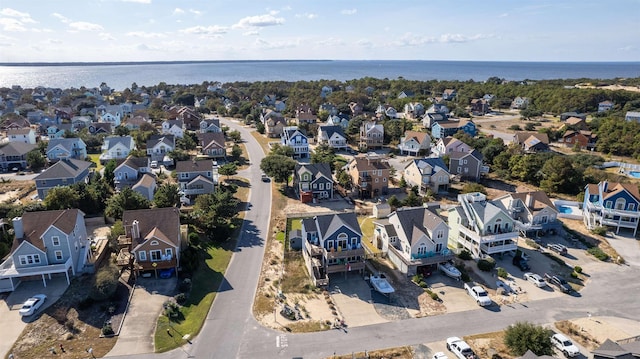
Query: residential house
x=349 y=88
x=332 y=243
x=326 y=91
x=632 y=116
x=386 y=110
x=333 y=136
x=428 y=174
x=430 y=118
x=341 y=119
x=110 y=114
x=467 y=165
x=35 y=116
x=567 y=115
x=582 y=139
x=59 y=131
x=14 y=155
x=414 y=110
x=480 y=107
x=274 y=123
x=356 y=108
x=159 y=146
x=611 y=204
x=414 y=239
x=489 y=97
x=414 y=143
x=449 y=128
x=279 y=106
x=212 y=144
x=96 y=128
x=173 y=127
x=135 y=122
x=196 y=178
x=210 y=125
x=304 y=114
x=575 y=123
x=146 y=186
x=449 y=145
x=532 y=141
x=533 y=212
x=59 y=148
x=520 y=103
x=153 y=237
x=371 y=135
x=369 y=175
x=405 y=94
x=24 y=135
x=438 y=108
x=46 y=243
x=313 y=181
x=481 y=227
x=63 y=113
x=449 y=94
x=605 y=106
x=127 y=173
x=269 y=99
x=297 y=140
x=80 y=122
x=65 y=172
x=617 y=350
x=329 y=108
x=116 y=147
x=189 y=117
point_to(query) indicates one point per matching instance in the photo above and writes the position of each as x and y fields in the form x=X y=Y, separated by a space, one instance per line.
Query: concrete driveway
x=11 y=323
x=136 y=336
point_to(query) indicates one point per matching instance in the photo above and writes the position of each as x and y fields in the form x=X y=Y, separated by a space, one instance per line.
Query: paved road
x=231 y=331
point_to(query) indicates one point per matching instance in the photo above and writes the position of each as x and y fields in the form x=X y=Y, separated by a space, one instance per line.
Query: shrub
x=598 y=253
x=577 y=269
x=107 y=329
x=417 y=278
x=465 y=255
x=171 y=310
x=190 y=259
x=181 y=298
x=523 y=336
x=601 y=231
x=502 y=273
x=105 y=282
x=486 y=265
x=423 y=284
x=85 y=303
x=185 y=285
x=194 y=239
x=574 y=275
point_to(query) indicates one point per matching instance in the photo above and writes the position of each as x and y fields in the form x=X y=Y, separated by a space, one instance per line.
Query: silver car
x=536 y=279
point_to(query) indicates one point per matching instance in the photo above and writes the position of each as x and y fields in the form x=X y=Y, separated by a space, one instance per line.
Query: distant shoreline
x=186 y=62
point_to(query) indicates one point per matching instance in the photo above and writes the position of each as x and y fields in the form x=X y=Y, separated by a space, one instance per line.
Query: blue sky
x=158 y=30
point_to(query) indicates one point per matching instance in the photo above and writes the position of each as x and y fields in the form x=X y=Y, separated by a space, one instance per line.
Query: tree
x=105 y=282
x=260 y=128
x=167 y=195
x=560 y=176
x=235 y=136
x=121 y=131
x=178 y=155
x=278 y=149
x=35 y=160
x=61 y=197
x=394 y=202
x=523 y=336
x=187 y=142
x=127 y=199
x=344 y=179
x=278 y=167
x=324 y=154
x=228 y=169
x=109 y=170
x=236 y=152
x=214 y=210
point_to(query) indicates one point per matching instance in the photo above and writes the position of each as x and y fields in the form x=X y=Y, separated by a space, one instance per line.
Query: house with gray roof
x=333 y=136
x=212 y=144
x=429 y=174
x=467 y=165
x=632 y=116
x=146 y=186
x=481 y=226
x=313 y=181
x=14 y=155
x=159 y=146
x=46 y=243
x=533 y=212
x=297 y=140
x=116 y=147
x=59 y=148
x=65 y=172
x=196 y=178
x=414 y=239
x=210 y=125
x=617 y=350
x=24 y=135
x=332 y=244
x=129 y=171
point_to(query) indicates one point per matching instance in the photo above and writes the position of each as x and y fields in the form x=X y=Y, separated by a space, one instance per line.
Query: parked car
x=265 y=178
x=478 y=293
x=32 y=305
x=440 y=355
x=460 y=348
x=521 y=263
x=154 y=164
x=565 y=345
x=559 y=282
x=558 y=248
x=536 y=279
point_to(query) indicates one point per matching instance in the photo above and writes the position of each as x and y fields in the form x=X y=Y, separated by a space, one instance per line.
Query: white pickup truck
x=478 y=293
x=460 y=348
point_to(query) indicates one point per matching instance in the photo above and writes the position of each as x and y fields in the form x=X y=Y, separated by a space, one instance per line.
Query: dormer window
x=154 y=243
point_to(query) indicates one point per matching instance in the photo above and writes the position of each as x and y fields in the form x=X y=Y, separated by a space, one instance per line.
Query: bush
x=181 y=298
x=194 y=239
x=577 y=269
x=598 y=253
x=601 y=231
x=486 y=265
x=190 y=259
x=185 y=285
x=574 y=275
x=105 y=282
x=465 y=255
x=171 y=310
x=85 y=303
x=107 y=330
x=523 y=336
x=502 y=273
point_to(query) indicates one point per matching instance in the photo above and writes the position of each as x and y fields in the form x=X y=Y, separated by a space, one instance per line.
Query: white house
x=173 y=127
x=24 y=135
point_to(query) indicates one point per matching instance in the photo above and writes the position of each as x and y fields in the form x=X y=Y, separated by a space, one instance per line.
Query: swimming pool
x=634 y=174
x=565 y=209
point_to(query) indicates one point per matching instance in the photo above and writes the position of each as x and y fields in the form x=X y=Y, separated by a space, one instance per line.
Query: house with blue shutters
x=59 y=148
x=332 y=243
x=65 y=172
x=442 y=129
x=611 y=204
x=313 y=181
x=297 y=140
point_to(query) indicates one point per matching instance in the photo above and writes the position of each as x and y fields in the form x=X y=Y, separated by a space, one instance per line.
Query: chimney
x=135 y=229
x=18 y=227
x=529 y=200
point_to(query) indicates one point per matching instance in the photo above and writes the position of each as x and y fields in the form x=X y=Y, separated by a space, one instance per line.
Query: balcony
x=423 y=259
x=498 y=247
x=152 y=265
x=339 y=254
x=124 y=241
x=313 y=249
x=346 y=267
x=488 y=237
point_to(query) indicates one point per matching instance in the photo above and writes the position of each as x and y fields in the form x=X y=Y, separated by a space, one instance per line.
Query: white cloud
x=106 y=36
x=206 y=30
x=307 y=16
x=178 y=11
x=22 y=16
x=11 y=24
x=349 y=11
x=61 y=17
x=138 y=1
x=85 y=26
x=258 y=21
x=503 y=15
x=41 y=30
x=263 y=44
x=410 y=39
x=251 y=33
x=331 y=41
x=195 y=12
x=364 y=43
x=146 y=35
x=54 y=41
x=457 y=38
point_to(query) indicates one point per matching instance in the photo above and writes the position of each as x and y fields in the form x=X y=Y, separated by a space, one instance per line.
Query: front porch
x=10 y=275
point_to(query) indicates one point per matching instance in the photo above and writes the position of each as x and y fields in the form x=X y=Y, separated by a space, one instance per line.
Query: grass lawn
x=95 y=157
x=366 y=225
x=263 y=141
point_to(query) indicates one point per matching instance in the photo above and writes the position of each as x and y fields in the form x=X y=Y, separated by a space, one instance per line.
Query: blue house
x=332 y=244
x=297 y=140
x=59 y=148
x=46 y=243
x=611 y=204
x=443 y=129
x=65 y=172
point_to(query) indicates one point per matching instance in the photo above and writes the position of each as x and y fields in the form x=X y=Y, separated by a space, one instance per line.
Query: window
x=438 y=247
x=55 y=240
x=422 y=249
x=156 y=255
x=168 y=253
x=58 y=255
x=440 y=234
x=459 y=169
x=384 y=179
x=321 y=186
x=631 y=207
x=376 y=179
x=184 y=175
x=154 y=243
x=608 y=204
x=142 y=255
x=620 y=203
x=29 y=259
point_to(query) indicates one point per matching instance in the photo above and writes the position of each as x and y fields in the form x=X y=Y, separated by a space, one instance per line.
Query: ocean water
x=121 y=76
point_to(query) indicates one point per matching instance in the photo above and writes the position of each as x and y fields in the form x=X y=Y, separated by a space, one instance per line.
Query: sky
x=466 y=30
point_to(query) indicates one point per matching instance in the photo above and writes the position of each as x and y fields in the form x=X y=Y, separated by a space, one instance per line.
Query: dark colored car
x=558 y=282
x=521 y=263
